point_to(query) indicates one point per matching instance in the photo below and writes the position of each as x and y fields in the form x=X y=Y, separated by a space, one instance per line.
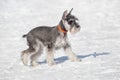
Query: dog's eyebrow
x=72 y=17
x=77 y=19
x=71 y=20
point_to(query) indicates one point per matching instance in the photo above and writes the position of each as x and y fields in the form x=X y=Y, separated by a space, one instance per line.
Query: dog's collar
x=61 y=29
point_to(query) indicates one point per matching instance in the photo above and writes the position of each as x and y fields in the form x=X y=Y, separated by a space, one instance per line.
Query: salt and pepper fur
x=52 y=39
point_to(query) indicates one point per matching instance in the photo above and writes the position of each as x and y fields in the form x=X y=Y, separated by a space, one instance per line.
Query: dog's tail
x=25 y=35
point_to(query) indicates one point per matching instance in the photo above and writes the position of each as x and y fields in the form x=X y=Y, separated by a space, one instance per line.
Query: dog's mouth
x=74 y=30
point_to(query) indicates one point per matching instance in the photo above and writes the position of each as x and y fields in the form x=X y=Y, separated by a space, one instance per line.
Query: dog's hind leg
x=24 y=56
x=34 y=58
x=31 y=42
x=35 y=55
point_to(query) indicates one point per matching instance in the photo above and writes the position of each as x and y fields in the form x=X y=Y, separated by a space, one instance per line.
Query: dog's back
x=45 y=34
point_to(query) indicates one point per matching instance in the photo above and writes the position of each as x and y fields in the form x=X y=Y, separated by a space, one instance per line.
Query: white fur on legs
x=36 y=54
x=50 y=57
x=34 y=64
x=34 y=58
x=71 y=55
x=24 y=58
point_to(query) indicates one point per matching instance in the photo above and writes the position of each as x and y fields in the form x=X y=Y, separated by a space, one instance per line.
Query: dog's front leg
x=50 y=56
x=70 y=53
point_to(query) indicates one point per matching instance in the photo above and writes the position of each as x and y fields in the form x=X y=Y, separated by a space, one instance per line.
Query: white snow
x=97 y=44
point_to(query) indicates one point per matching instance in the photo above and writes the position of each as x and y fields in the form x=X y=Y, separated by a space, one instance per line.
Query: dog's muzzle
x=75 y=29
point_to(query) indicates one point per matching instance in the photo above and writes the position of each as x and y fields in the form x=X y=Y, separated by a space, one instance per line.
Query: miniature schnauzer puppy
x=51 y=38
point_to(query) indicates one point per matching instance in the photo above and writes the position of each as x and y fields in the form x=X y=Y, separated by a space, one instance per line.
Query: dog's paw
x=76 y=60
x=34 y=64
x=51 y=63
x=24 y=61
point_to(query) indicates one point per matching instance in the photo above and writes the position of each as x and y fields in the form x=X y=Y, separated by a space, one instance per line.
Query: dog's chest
x=60 y=42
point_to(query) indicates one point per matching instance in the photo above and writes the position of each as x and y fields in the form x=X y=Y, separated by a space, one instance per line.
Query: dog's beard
x=74 y=30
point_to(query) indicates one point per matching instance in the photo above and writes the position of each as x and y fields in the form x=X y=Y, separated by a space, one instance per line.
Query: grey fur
x=50 y=38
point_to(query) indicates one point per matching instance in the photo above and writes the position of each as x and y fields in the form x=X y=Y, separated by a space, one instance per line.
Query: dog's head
x=70 y=22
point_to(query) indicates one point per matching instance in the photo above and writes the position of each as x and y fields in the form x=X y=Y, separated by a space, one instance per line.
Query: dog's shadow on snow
x=64 y=58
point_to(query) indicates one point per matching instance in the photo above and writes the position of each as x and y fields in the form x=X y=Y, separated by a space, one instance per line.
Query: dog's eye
x=70 y=22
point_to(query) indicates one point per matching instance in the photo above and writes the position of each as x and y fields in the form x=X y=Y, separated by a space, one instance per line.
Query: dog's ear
x=65 y=14
x=70 y=11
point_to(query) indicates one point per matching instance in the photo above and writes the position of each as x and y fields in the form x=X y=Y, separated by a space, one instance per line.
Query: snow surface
x=97 y=44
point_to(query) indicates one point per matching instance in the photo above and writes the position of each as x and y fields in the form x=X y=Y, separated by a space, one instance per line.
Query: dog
x=51 y=38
